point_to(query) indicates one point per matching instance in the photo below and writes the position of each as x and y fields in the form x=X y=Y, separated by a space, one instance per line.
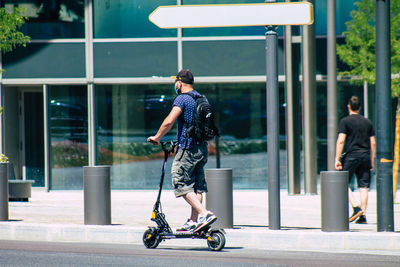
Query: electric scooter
x=154 y=235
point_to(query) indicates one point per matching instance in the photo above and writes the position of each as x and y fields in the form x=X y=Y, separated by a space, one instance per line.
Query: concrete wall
x=11 y=128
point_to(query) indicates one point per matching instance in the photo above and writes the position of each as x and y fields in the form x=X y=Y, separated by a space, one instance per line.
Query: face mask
x=177 y=91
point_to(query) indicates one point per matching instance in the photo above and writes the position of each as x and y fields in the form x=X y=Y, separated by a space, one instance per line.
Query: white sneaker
x=205 y=220
x=187 y=226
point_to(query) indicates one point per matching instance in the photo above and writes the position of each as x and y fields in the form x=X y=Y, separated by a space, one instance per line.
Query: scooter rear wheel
x=217 y=241
x=150 y=238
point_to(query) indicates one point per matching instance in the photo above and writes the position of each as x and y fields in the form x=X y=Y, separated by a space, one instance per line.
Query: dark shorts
x=188 y=171
x=361 y=168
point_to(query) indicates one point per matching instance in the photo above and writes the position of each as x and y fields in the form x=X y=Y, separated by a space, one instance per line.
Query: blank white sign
x=201 y=16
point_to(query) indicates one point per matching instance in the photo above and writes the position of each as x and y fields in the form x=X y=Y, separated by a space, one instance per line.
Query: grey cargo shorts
x=188 y=172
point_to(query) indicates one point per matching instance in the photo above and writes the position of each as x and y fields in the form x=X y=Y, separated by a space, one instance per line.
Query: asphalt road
x=18 y=253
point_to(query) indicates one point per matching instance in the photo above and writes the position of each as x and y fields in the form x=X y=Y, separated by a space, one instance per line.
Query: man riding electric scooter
x=188 y=178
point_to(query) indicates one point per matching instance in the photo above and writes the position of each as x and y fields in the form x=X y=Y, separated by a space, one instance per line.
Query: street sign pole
x=332 y=91
x=271 y=45
x=384 y=155
x=272 y=94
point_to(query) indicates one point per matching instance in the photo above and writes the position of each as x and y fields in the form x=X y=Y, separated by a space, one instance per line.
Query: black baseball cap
x=184 y=76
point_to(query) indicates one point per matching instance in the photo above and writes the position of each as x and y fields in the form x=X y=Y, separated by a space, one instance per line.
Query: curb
x=71 y=233
x=318 y=241
x=264 y=239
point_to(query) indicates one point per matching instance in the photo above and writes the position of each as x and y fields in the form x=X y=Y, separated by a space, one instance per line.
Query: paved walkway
x=59 y=216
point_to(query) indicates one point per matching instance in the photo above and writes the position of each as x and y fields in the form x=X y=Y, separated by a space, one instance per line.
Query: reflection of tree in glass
x=59 y=10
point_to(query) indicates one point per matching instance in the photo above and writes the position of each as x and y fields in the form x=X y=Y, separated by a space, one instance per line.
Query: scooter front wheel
x=150 y=238
x=216 y=241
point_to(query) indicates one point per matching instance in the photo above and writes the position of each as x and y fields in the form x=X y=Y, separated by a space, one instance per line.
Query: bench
x=19 y=190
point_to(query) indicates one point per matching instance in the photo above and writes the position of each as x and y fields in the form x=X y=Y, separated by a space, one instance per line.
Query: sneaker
x=188 y=226
x=205 y=220
x=362 y=220
x=357 y=212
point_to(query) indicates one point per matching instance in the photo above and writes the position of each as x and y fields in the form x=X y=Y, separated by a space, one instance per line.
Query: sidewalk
x=59 y=216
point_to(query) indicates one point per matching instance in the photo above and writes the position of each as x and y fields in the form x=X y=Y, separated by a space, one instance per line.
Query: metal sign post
x=269 y=14
x=384 y=155
x=274 y=202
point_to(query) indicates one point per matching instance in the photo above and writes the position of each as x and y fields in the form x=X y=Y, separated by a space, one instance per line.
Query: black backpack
x=203 y=125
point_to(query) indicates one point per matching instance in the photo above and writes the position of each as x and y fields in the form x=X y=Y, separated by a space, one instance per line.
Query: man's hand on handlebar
x=153 y=140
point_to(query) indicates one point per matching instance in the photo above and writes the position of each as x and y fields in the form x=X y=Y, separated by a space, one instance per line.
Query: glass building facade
x=99 y=70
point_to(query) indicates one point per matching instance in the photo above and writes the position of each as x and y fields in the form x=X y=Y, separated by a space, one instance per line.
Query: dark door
x=34 y=137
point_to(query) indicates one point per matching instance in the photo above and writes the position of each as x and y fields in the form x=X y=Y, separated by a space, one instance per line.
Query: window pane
x=135 y=59
x=52 y=60
x=128 y=19
x=226 y=58
x=52 y=18
x=241 y=120
x=128 y=114
x=222 y=31
x=68 y=133
x=343 y=9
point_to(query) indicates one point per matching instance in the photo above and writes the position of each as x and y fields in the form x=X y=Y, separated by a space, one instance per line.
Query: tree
x=10 y=37
x=358 y=52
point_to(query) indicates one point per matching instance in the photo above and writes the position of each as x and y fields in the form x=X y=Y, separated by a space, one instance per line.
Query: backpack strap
x=189 y=127
x=192 y=95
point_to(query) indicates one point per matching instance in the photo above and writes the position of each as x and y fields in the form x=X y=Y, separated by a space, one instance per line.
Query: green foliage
x=243 y=146
x=395 y=46
x=3 y=158
x=10 y=37
x=69 y=155
x=358 y=51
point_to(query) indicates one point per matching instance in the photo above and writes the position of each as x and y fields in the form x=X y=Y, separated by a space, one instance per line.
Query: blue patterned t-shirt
x=187 y=104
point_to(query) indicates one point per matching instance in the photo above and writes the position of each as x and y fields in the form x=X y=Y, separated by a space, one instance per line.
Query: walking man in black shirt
x=357 y=133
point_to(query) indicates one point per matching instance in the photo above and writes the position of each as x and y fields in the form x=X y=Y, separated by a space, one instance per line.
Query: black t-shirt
x=358 y=131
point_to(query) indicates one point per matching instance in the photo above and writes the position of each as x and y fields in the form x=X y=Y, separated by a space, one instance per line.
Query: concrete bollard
x=219 y=198
x=334 y=201
x=3 y=192
x=97 y=195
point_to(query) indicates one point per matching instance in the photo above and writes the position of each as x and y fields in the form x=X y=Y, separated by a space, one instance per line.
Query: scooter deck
x=201 y=234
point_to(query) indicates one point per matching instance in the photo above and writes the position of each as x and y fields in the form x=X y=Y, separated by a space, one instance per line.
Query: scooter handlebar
x=167 y=146
x=152 y=142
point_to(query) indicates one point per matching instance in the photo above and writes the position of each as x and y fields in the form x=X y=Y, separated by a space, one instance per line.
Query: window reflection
x=68 y=120
x=128 y=114
x=142 y=59
x=52 y=18
x=128 y=19
x=223 y=31
x=68 y=133
x=46 y=60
